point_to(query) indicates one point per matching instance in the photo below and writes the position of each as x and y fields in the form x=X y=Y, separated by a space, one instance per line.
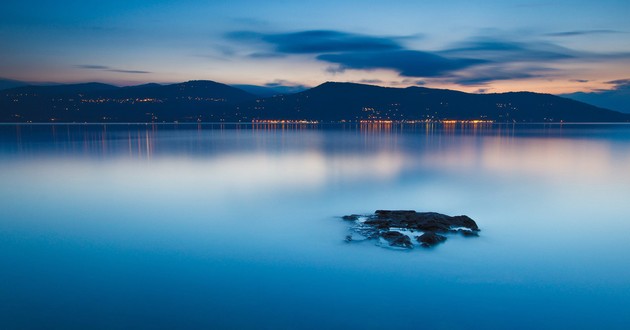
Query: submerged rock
x=398 y=226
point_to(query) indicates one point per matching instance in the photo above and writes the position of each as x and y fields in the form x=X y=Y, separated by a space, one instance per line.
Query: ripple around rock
x=399 y=227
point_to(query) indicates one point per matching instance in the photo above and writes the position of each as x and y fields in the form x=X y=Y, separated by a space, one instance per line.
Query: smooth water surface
x=236 y=226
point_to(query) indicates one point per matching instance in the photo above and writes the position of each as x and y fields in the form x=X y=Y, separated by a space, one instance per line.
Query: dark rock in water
x=352 y=217
x=468 y=233
x=378 y=223
x=397 y=239
x=430 y=238
x=381 y=223
x=425 y=221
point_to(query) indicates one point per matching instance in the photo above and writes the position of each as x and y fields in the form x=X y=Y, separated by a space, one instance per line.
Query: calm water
x=187 y=226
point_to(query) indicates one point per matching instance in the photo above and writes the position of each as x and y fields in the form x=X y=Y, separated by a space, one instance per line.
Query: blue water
x=234 y=226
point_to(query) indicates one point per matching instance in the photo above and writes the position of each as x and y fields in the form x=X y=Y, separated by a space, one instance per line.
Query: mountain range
x=209 y=101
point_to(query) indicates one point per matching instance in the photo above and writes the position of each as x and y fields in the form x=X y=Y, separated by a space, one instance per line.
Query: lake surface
x=237 y=226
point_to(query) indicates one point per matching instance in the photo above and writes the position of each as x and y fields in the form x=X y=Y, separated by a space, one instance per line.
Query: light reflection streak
x=386 y=148
x=552 y=158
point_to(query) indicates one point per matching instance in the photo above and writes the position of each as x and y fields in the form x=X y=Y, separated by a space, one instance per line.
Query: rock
x=468 y=233
x=381 y=223
x=430 y=238
x=464 y=221
x=397 y=239
x=424 y=221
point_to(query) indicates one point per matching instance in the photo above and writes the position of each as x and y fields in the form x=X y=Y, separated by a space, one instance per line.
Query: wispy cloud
x=407 y=82
x=92 y=67
x=319 y=41
x=477 y=60
x=501 y=50
x=283 y=82
x=266 y=55
x=109 y=69
x=356 y=51
x=580 y=33
x=370 y=81
x=409 y=63
x=481 y=76
x=619 y=82
x=128 y=71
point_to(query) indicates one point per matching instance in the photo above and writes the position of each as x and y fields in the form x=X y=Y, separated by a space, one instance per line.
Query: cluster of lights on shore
x=377 y=122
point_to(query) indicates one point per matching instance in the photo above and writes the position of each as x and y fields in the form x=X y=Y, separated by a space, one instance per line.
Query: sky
x=474 y=46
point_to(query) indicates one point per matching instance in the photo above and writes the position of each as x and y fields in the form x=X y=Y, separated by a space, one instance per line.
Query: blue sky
x=483 y=46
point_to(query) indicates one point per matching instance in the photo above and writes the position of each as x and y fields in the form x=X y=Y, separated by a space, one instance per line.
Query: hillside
x=95 y=102
x=351 y=102
x=210 y=101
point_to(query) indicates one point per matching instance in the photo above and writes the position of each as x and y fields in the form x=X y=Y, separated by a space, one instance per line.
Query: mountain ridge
x=210 y=101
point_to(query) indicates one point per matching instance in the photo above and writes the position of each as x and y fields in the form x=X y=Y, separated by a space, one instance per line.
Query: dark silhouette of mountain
x=61 y=90
x=350 y=102
x=616 y=99
x=330 y=102
x=10 y=83
x=96 y=102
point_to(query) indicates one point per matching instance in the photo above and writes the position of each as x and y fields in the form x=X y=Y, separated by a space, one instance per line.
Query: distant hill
x=95 y=102
x=60 y=90
x=10 y=83
x=348 y=101
x=210 y=101
x=616 y=99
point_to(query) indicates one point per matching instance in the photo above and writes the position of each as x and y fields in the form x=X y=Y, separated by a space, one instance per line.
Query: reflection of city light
x=284 y=121
x=542 y=157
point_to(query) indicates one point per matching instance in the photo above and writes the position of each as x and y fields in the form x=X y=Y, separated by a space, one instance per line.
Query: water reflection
x=312 y=154
x=221 y=221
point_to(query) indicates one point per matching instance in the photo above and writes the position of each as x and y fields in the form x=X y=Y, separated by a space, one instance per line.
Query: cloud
x=266 y=55
x=415 y=82
x=370 y=81
x=92 y=67
x=616 y=98
x=619 y=83
x=580 y=33
x=408 y=63
x=501 y=50
x=472 y=61
x=109 y=69
x=483 y=75
x=580 y=80
x=283 y=83
x=356 y=51
x=408 y=81
x=283 y=86
x=334 y=69
x=506 y=50
x=510 y=58
x=318 y=41
x=486 y=78
x=128 y=71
